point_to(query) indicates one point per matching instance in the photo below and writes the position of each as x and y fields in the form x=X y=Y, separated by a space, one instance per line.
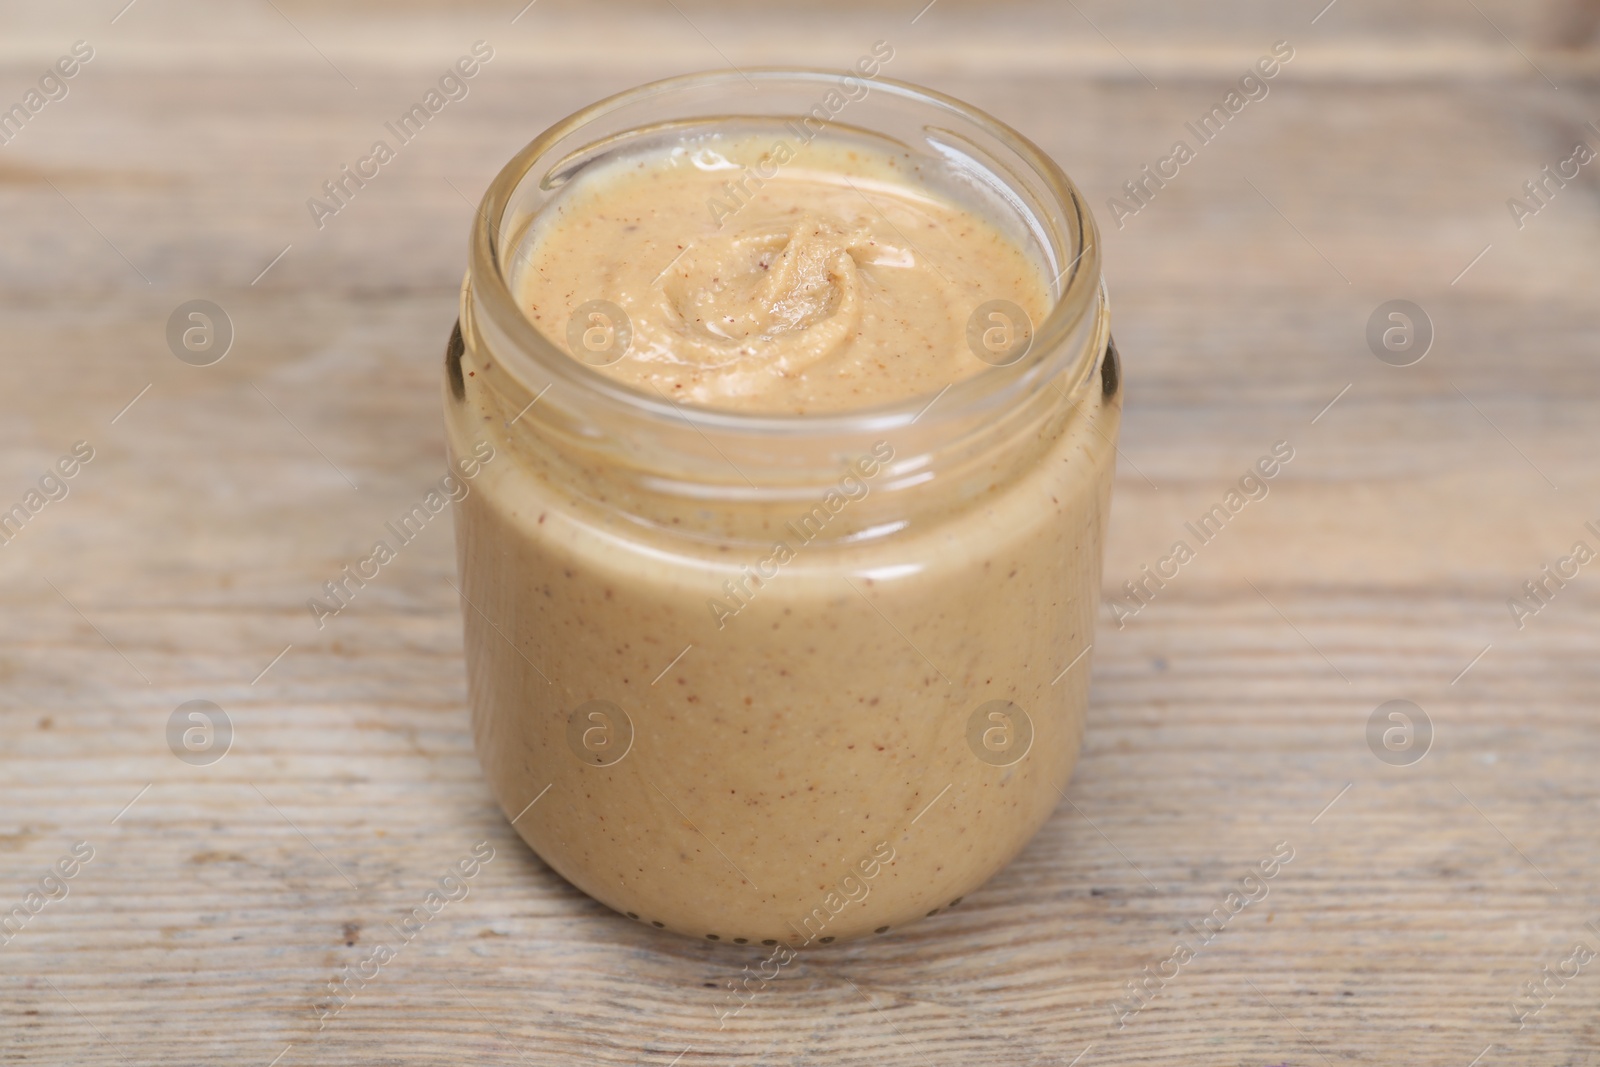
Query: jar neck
x=728 y=475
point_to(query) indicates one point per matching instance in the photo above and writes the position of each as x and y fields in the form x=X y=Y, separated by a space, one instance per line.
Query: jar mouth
x=1066 y=234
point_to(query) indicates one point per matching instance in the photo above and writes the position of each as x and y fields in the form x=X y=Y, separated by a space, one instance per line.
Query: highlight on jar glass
x=790 y=404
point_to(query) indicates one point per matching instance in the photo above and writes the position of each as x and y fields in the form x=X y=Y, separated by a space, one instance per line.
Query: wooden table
x=1229 y=715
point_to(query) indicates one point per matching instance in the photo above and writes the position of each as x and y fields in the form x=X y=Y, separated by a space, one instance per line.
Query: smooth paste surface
x=760 y=276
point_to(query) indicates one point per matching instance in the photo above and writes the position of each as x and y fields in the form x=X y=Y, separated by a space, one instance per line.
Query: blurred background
x=1231 y=712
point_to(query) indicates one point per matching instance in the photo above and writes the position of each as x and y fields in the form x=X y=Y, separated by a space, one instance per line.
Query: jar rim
x=1077 y=287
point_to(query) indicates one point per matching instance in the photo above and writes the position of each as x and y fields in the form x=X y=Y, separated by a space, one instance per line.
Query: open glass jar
x=781 y=679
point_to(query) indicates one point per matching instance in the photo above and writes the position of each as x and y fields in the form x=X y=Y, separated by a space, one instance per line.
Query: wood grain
x=1228 y=715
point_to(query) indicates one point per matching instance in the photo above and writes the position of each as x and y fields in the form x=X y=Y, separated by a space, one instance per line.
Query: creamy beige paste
x=799 y=767
x=765 y=277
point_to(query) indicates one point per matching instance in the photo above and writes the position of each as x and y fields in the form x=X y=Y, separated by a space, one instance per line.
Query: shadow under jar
x=879 y=716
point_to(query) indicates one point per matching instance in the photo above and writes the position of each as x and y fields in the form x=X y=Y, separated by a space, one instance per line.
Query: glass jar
x=780 y=679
